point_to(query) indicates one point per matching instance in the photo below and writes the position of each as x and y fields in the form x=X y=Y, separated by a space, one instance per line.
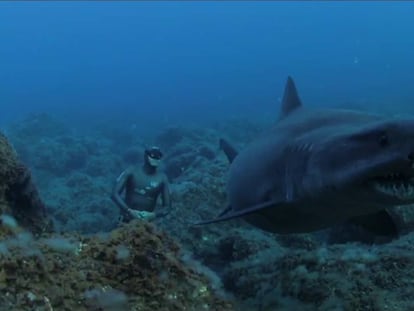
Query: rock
x=135 y=267
x=18 y=194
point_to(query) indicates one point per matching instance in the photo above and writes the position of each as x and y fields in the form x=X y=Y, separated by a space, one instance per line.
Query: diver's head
x=153 y=156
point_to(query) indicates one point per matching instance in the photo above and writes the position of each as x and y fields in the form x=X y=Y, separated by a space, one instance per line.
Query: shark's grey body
x=318 y=168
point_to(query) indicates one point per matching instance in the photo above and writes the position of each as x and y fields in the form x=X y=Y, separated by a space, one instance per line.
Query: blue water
x=179 y=62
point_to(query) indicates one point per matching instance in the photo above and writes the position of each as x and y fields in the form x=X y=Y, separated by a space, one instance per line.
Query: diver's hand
x=141 y=214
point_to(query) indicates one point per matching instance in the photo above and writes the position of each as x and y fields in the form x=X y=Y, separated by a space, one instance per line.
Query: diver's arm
x=117 y=190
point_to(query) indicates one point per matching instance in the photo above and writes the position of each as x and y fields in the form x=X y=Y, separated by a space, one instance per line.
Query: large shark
x=320 y=167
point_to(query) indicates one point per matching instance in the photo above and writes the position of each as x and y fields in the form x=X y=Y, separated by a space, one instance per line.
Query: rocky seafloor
x=169 y=264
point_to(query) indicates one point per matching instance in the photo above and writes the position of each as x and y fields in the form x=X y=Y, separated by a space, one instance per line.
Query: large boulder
x=18 y=194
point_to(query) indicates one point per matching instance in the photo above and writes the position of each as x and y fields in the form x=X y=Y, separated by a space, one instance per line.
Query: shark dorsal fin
x=291 y=100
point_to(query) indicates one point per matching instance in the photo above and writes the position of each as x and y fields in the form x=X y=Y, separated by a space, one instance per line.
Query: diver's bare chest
x=144 y=184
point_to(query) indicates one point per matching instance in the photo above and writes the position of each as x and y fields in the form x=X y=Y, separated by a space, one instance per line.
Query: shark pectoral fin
x=228 y=149
x=225 y=211
x=229 y=213
x=220 y=217
x=380 y=223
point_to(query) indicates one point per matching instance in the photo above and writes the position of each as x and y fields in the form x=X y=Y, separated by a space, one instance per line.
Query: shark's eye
x=384 y=140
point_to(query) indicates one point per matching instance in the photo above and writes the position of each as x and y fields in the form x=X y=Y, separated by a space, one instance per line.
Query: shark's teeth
x=403 y=191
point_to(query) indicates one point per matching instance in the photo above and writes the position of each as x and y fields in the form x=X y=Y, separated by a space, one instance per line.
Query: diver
x=143 y=186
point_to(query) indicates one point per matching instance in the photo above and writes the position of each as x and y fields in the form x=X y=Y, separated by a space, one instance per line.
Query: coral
x=8 y=168
x=18 y=194
x=135 y=267
x=103 y=166
x=353 y=276
x=82 y=203
x=60 y=156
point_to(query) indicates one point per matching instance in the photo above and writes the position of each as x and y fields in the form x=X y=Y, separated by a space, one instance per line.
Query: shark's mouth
x=396 y=185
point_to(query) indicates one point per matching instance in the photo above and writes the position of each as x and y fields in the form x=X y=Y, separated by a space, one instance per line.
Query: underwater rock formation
x=336 y=277
x=134 y=267
x=186 y=148
x=18 y=194
x=38 y=125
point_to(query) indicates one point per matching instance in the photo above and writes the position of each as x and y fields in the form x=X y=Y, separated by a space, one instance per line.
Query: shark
x=318 y=167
